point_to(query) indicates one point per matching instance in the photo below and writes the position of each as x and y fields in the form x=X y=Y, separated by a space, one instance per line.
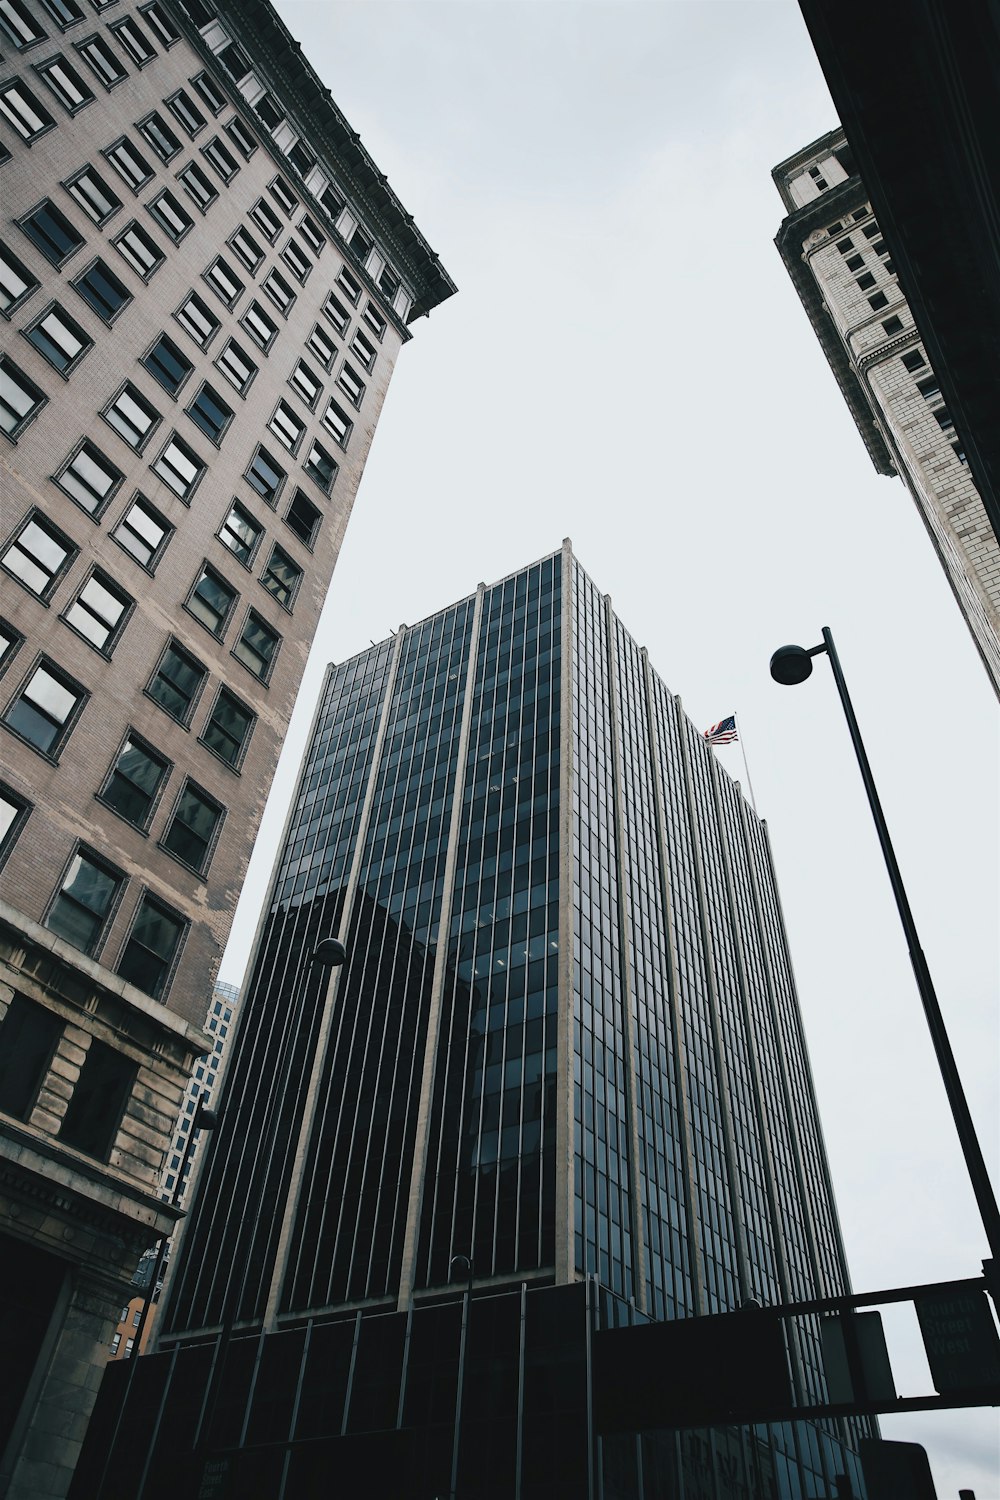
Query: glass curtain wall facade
x=566 y=1045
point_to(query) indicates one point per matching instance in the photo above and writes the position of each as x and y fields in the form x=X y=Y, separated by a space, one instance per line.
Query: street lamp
x=791 y=665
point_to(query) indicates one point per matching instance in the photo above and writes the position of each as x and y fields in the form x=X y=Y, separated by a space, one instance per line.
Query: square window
x=131 y=166
x=870 y=231
x=306 y=383
x=282 y=577
x=135 y=781
x=102 y=61
x=134 y=41
x=236 y=366
x=157 y=133
x=199 y=186
x=93 y=195
x=365 y=350
x=16 y=282
x=323 y=347
x=177 y=683
x=20 y=398
x=210 y=413
x=283 y=194
x=140 y=250
x=351 y=384
x=854 y=262
x=222 y=160
x=913 y=360
x=169 y=214
x=160 y=25
x=348 y=285
x=311 y=233
x=321 y=467
x=51 y=232
x=242 y=138
x=29 y=1034
x=211 y=601
x=279 y=291
x=59 y=339
x=194 y=828
x=167 y=364
x=67 y=84
x=89 y=478
x=304 y=518
x=266 y=219
x=929 y=388
x=226 y=285
x=944 y=421
x=209 y=92
x=198 y=320
x=38 y=554
x=865 y=281
x=100 y=289
x=46 y=708
x=132 y=417
x=846 y=245
x=184 y=109
x=246 y=249
x=338 y=314
x=257 y=647
x=893 y=326
x=339 y=423
x=296 y=260
x=21 y=109
x=85 y=901
x=375 y=321
x=180 y=469
x=241 y=534
x=152 y=947
x=878 y=300
x=287 y=427
x=228 y=729
x=143 y=532
x=14 y=811
x=265 y=476
x=19 y=24
x=262 y=329
x=100 y=612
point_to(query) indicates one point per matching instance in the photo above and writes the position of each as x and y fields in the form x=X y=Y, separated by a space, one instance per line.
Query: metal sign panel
x=960 y=1338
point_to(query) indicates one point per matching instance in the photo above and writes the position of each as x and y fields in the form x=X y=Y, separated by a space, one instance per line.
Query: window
x=89 y=478
x=265 y=476
x=303 y=517
x=177 y=682
x=284 y=195
x=51 y=232
x=257 y=646
x=195 y=317
x=16 y=281
x=224 y=283
x=234 y=62
x=131 y=167
x=209 y=92
x=266 y=219
x=267 y=107
x=310 y=232
x=184 y=109
x=238 y=369
x=59 y=339
x=296 y=260
x=306 y=384
x=870 y=231
x=865 y=281
x=140 y=250
x=338 y=314
x=135 y=782
x=241 y=534
x=65 y=13
x=351 y=384
x=93 y=195
x=132 y=417
x=301 y=158
x=46 y=708
x=20 y=398
x=152 y=947
x=323 y=347
x=259 y=326
x=134 y=41
x=846 y=245
x=347 y=284
x=20 y=108
x=102 y=61
x=878 y=300
x=339 y=423
x=333 y=203
x=959 y=452
x=199 y=186
x=170 y=215
x=280 y=292
x=99 y=612
x=69 y=87
x=38 y=555
x=14 y=812
x=144 y=533
x=211 y=601
x=913 y=360
x=179 y=468
x=28 y=1037
x=242 y=138
x=100 y=289
x=944 y=421
x=388 y=282
x=365 y=350
x=375 y=321
x=854 y=262
x=223 y=160
x=97 y=1104
x=194 y=827
x=157 y=132
x=85 y=901
x=228 y=729
x=247 y=249
x=321 y=467
x=286 y=426
x=19 y=24
x=210 y=413
x=160 y=25
x=929 y=388
x=282 y=577
x=361 y=246
x=10 y=641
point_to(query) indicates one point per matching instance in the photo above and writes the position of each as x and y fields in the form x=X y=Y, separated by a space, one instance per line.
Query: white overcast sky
x=626 y=363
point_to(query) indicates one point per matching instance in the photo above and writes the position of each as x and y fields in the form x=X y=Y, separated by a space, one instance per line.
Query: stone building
x=205 y=283
x=842 y=268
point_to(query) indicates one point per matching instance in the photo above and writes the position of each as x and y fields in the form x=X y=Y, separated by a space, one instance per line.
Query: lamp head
x=791 y=665
x=330 y=954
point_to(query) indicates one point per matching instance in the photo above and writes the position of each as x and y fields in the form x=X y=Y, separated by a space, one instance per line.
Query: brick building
x=842 y=268
x=205 y=282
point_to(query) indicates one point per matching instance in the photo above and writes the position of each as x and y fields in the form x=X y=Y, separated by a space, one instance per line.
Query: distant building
x=205 y=282
x=842 y=268
x=562 y=1072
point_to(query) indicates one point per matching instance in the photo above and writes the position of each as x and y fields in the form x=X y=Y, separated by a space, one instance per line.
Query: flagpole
x=746 y=767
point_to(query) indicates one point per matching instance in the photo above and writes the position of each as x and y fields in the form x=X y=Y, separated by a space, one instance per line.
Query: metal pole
x=974 y=1161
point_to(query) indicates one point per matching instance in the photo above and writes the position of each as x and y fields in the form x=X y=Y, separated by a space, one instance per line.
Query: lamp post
x=791 y=665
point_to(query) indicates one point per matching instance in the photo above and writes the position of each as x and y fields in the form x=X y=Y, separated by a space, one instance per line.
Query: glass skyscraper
x=565 y=1053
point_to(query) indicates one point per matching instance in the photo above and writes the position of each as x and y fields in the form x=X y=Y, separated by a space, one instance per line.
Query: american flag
x=723 y=733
